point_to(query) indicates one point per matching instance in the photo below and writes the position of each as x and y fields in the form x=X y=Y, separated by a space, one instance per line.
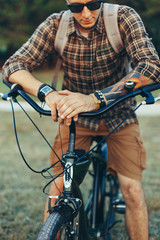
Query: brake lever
x=12 y=93
x=149 y=97
x=155 y=100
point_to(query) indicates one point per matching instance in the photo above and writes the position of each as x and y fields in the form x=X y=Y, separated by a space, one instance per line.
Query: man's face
x=87 y=18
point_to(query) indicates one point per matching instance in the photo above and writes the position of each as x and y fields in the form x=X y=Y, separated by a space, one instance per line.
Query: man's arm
x=75 y=103
x=31 y=85
x=28 y=82
x=130 y=82
x=18 y=68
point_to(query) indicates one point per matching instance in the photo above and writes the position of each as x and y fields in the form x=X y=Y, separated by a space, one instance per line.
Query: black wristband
x=99 y=95
x=43 y=90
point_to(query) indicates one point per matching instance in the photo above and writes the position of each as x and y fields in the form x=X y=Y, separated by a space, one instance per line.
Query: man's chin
x=88 y=27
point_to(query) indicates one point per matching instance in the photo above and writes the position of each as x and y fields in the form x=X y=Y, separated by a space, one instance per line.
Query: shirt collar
x=72 y=26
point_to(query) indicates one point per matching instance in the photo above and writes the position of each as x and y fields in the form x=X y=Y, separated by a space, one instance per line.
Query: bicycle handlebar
x=143 y=91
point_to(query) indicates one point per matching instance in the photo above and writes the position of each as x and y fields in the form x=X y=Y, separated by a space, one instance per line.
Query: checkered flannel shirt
x=91 y=64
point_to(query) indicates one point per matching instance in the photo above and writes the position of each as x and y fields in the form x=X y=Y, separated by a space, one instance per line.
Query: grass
x=22 y=200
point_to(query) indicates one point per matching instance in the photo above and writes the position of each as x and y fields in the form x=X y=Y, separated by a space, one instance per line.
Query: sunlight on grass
x=22 y=200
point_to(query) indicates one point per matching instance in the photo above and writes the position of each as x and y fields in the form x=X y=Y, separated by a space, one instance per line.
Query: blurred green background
x=18 y=20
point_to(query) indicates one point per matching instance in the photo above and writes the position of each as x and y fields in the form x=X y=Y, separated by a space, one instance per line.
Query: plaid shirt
x=91 y=64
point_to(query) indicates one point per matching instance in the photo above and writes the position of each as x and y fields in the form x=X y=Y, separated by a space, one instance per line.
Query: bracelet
x=99 y=95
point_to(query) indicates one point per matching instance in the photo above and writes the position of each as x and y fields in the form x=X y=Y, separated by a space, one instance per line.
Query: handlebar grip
x=18 y=90
x=8 y=84
x=13 y=92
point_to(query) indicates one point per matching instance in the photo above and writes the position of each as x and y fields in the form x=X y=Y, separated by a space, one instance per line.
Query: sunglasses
x=78 y=7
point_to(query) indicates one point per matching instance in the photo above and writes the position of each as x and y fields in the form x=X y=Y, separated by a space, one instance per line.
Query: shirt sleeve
x=140 y=49
x=36 y=50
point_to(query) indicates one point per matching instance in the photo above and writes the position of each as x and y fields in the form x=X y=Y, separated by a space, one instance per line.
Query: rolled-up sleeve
x=35 y=51
x=139 y=47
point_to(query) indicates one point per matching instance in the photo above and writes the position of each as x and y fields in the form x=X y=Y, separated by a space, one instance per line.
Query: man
x=91 y=64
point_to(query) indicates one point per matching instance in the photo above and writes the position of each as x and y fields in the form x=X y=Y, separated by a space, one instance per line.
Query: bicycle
x=68 y=217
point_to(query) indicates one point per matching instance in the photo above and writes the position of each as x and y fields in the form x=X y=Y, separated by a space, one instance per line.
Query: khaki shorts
x=126 y=153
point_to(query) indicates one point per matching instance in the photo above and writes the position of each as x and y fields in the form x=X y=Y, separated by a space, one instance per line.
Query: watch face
x=46 y=89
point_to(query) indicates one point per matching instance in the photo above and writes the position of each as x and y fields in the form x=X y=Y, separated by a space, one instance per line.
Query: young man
x=91 y=64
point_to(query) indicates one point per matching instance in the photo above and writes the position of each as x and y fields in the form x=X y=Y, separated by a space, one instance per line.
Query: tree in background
x=19 y=18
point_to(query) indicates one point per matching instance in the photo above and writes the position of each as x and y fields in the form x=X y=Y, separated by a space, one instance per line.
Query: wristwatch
x=43 y=91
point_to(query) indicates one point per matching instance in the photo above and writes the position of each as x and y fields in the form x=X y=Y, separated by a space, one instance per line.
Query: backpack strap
x=61 y=35
x=110 y=15
x=60 y=42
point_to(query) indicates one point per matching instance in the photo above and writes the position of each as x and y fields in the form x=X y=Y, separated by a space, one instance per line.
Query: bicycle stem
x=69 y=159
x=72 y=136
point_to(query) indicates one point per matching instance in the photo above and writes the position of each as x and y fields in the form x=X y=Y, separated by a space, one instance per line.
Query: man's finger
x=54 y=114
x=68 y=121
x=75 y=118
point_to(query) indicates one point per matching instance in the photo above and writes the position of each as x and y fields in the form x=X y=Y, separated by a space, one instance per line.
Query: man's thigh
x=126 y=153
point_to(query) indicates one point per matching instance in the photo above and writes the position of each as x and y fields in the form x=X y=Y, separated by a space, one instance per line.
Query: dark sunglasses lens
x=94 y=5
x=76 y=8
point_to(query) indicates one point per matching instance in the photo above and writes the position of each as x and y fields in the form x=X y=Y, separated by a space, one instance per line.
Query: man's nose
x=86 y=12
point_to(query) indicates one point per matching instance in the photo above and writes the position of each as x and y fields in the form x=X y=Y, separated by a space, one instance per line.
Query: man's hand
x=52 y=99
x=71 y=104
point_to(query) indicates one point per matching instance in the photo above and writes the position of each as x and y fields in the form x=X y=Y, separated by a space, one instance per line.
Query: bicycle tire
x=60 y=218
x=99 y=186
x=105 y=191
x=105 y=216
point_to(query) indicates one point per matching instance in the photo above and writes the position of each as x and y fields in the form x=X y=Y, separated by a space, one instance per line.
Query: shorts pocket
x=142 y=153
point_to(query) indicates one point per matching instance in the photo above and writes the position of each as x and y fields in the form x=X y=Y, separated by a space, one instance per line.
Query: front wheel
x=58 y=225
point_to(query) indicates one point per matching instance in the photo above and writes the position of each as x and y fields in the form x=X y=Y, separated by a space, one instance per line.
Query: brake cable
x=18 y=144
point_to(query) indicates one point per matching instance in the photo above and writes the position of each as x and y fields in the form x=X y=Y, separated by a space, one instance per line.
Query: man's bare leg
x=136 y=210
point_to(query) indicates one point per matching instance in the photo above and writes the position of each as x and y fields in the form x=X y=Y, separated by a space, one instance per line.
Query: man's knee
x=132 y=192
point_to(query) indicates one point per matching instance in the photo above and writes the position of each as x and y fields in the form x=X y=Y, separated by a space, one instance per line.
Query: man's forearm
x=115 y=91
x=28 y=82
